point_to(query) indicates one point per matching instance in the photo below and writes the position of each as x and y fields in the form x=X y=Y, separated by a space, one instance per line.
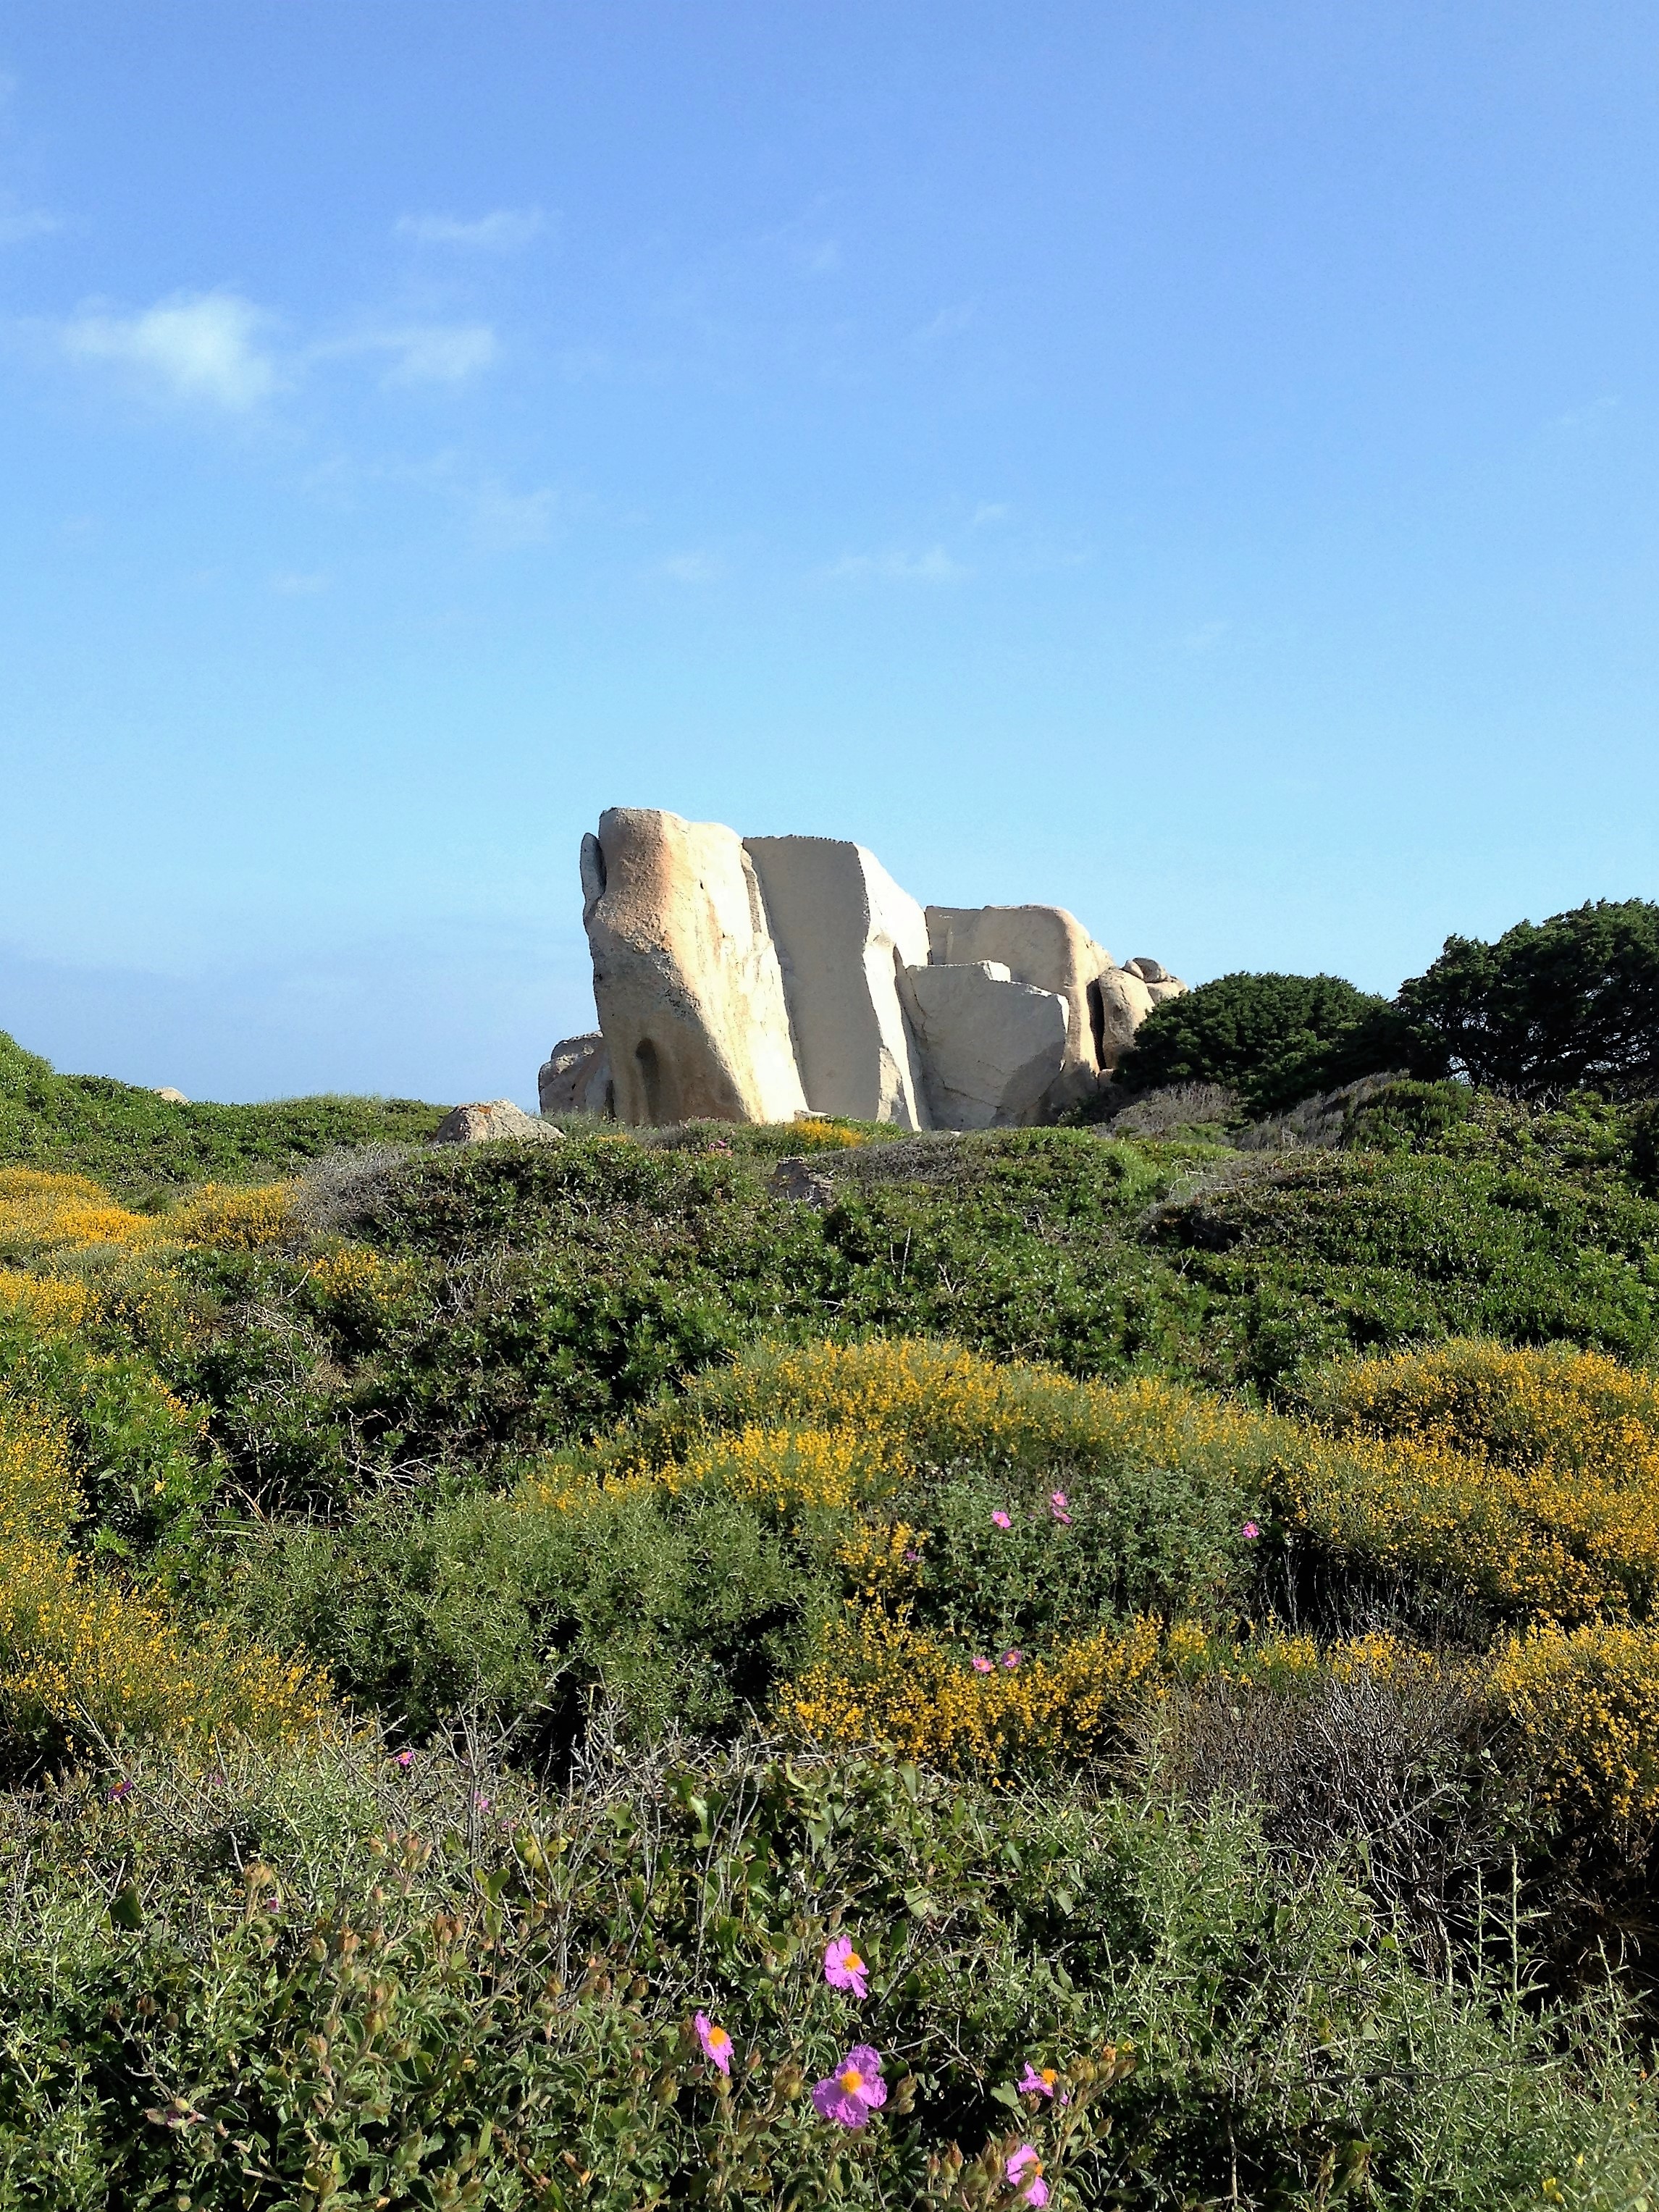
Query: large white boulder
x=843 y=929
x=576 y=1077
x=993 y=1048
x=1119 y=1001
x=685 y=973
x=1047 y=948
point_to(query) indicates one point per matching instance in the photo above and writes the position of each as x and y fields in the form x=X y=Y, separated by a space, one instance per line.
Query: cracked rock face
x=755 y=980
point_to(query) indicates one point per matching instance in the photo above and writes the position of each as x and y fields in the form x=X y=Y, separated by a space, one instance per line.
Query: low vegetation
x=1099 y=1665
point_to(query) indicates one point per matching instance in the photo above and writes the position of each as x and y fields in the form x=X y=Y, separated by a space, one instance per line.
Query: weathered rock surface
x=1046 y=947
x=576 y=1077
x=484 y=1123
x=685 y=973
x=843 y=929
x=758 y=980
x=993 y=1047
x=174 y=1098
x=1119 y=1001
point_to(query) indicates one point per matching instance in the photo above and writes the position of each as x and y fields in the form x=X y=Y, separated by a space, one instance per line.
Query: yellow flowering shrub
x=1583 y=1708
x=350 y=1271
x=932 y=1401
x=1546 y=1543
x=820 y=1134
x=790 y=1470
x=82 y=1656
x=223 y=1214
x=1556 y=1407
x=40 y=1213
x=49 y=1302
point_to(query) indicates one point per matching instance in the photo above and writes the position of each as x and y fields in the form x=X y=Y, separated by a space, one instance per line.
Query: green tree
x=1272 y=1038
x=1570 y=1003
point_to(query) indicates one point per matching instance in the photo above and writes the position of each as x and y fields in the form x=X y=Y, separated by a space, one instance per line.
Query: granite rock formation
x=762 y=979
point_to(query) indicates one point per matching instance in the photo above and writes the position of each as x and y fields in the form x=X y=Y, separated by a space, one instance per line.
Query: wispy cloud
x=504 y=522
x=692 y=568
x=291 y=583
x=18 y=225
x=946 y=324
x=504 y=230
x=935 y=566
x=419 y=353
x=206 y=347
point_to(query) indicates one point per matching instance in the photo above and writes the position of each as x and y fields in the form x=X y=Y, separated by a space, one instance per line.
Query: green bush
x=1273 y=1039
x=138 y=1145
x=312 y=1977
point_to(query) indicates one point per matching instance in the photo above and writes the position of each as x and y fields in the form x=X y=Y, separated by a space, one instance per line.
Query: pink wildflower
x=716 y=2043
x=1057 y=1506
x=1249 y=1532
x=481 y=1802
x=1025 y=2174
x=405 y=1760
x=1012 y=1659
x=843 y=1969
x=121 y=1790
x=1040 y=2082
x=853 y=2091
x=982 y=1665
x=1001 y=1519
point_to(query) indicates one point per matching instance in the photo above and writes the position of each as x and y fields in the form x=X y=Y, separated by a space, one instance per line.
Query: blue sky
x=1193 y=462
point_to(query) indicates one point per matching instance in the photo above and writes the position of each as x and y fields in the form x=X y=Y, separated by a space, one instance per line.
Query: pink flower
x=853 y=2091
x=1034 y=2082
x=1249 y=1532
x=1058 y=1508
x=1025 y=2174
x=1012 y=1659
x=982 y=1665
x=481 y=1802
x=405 y=1760
x=716 y=2043
x=843 y=1969
x=1001 y=1519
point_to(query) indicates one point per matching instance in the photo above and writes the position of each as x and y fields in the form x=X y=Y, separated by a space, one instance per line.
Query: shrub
x=1273 y=1039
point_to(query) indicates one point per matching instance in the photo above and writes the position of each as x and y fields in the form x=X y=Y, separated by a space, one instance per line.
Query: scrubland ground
x=484 y=1635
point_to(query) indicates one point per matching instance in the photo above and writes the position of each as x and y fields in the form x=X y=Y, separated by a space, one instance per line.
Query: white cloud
x=991 y=510
x=21 y=224
x=693 y=568
x=503 y=521
x=200 y=348
x=505 y=230
x=946 y=324
x=421 y=353
x=935 y=566
x=293 y=585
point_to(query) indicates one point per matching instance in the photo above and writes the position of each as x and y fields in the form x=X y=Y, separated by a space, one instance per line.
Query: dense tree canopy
x=1565 y=1004
x=1272 y=1038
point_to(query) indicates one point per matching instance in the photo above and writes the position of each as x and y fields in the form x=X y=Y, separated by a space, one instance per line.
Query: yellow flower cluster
x=819 y=1134
x=793 y=1470
x=41 y=1213
x=52 y=1304
x=350 y=1272
x=1529 y=1478
x=222 y=1214
x=935 y=1402
x=880 y=1680
x=82 y=1654
x=1583 y=1708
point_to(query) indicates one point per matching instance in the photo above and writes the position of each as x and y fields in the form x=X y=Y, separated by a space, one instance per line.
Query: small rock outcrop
x=482 y=1124
x=758 y=979
x=576 y=1077
x=174 y=1098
